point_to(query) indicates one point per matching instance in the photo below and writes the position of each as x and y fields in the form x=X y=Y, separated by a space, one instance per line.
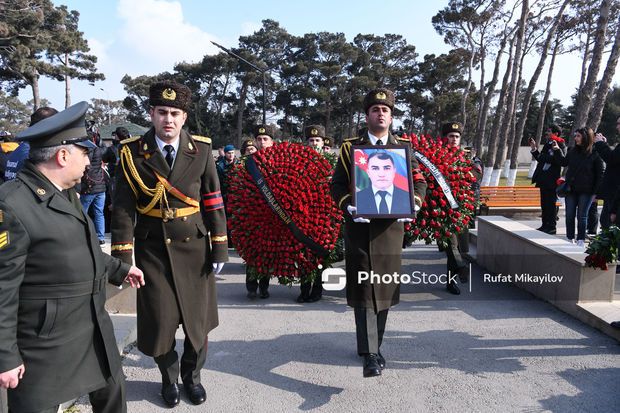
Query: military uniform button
x=184 y=218
x=186 y=239
x=168 y=240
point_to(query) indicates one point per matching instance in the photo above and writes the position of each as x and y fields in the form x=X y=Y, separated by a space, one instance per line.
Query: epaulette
x=130 y=139
x=399 y=138
x=202 y=139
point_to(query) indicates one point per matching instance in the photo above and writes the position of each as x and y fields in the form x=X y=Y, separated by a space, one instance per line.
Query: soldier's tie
x=383 y=208
x=379 y=142
x=169 y=154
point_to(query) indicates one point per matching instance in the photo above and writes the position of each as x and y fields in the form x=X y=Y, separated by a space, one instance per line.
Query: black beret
x=380 y=96
x=169 y=93
x=449 y=127
x=64 y=128
x=121 y=133
x=314 y=131
x=265 y=130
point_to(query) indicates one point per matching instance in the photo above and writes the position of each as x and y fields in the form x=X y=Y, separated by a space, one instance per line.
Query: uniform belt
x=49 y=291
x=172 y=213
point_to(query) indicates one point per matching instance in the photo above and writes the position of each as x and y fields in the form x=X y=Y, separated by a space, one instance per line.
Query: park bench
x=510 y=196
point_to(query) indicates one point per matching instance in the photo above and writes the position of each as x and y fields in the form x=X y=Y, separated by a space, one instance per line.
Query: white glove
x=405 y=220
x=359 y=220
x=217 y=267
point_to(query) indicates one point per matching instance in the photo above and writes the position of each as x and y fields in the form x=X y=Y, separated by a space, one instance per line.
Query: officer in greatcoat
x=168 y=200
x=372 y=244
x=56 y=338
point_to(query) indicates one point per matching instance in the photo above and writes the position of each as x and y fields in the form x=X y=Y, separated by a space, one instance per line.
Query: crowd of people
x=168 y=197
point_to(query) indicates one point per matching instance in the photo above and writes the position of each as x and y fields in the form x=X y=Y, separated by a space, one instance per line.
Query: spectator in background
x=611 y=179
x=15 y=160
x=584 y=175
x=224 y=165
x=546 y=175
x=93 y=186
x=6 y=147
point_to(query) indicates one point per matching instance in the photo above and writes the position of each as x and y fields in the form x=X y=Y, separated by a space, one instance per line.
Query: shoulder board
x=402 y=139
x=202 y=139
x=129 y=140
x=351 y=139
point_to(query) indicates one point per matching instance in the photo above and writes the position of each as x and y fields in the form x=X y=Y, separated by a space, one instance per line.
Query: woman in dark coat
x=584 y=175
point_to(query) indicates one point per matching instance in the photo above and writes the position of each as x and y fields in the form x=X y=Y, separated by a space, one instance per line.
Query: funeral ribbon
x=257 y=176
x=445 y=187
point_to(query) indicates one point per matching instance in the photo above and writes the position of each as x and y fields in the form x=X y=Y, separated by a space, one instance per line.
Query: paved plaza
x=496 y=348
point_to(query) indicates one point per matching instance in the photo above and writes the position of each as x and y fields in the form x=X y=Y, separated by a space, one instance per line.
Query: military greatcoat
x=52 y=295
x=376 y=246
x=175 y=252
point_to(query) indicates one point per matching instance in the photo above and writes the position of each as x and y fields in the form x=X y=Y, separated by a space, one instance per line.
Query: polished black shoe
x=464 y=274
x=264 y=294
x=101 y=242
x=542 y=229
x=196 y=393
x=371 y=365
x=302 y=298
x=551 y=231
x=252 y=294
x=314 y=298
x=171 y=394
x=381 y=360
x=453 y=288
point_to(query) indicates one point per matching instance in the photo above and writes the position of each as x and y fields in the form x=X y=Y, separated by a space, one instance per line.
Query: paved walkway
x=495 y=348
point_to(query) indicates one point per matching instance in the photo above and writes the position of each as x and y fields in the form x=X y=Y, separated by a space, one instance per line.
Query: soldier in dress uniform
x=451 y=132
x=263 y=137
x=311 y=291
x=168 y=199
x=372 y=244
x=56 y=338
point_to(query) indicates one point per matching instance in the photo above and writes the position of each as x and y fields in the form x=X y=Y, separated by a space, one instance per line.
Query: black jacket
x=611 y=179
x=546 y=177
x=94 y=179
x=585 y=171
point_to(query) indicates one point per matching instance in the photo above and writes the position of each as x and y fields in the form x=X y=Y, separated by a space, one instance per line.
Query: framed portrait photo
x=381 y=180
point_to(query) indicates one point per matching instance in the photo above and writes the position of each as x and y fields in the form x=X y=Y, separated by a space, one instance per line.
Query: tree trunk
x=594 y=118
x=481 y=133
x=512 y=93
x=240 y=110
x=527 y=98
x=584 y=100
x=468 y=87
x=545 y=101
x=476 y=141
x=36 y=97
x=584 y=60
x=68 y=84
x=497 y=119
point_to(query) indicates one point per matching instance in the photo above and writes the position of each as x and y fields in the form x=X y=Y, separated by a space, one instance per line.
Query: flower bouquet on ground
x=603 y=249
x=282 y=218
x=450 y=204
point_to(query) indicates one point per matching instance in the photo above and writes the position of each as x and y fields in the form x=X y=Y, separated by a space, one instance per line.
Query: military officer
x=371 y=244
x=56 y=338
x=451 y=133
x=168 y=199
x=263 y=136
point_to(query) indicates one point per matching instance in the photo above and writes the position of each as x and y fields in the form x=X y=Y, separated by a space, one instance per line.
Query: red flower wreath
x=436 y=220
x=299 y=178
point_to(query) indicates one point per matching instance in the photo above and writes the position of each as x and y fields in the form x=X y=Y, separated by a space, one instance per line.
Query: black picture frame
x=397 y=183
